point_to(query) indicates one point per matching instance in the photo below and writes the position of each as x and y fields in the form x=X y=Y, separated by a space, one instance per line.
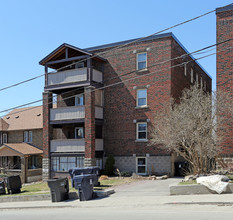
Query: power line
x=156 y=64
x=107 y=86
x=115 y=48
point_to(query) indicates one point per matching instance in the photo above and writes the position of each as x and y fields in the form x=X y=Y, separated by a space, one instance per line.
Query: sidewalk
x=124 y=202
x=138 y=194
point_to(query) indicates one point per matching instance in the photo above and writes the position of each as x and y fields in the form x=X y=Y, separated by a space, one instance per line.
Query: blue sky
x=30 y=30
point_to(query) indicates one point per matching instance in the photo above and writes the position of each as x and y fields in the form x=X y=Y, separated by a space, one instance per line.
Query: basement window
x=141 y=165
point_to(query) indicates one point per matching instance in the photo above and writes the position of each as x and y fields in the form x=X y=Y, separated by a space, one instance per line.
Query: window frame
x=75 y=134
x=137 y=102
x=56 y=163
x=141 y=62
x=76 y=100
x=4 y=137
x=27 y=136
x=137 y=131
x=137 y=165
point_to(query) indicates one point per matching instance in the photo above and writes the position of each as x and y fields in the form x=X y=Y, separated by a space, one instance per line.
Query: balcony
x=67 y=145
x=71 y=77
x=73 y=112
x=73 y=145
x=67 y=113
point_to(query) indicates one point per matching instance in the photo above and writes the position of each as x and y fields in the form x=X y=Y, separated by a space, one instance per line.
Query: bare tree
x=189 y=127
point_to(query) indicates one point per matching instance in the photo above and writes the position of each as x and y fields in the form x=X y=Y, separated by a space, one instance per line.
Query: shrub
x=126 y=173
x=2 y=175
x=109 y=166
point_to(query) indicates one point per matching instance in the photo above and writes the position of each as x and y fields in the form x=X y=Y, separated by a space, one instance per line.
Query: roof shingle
x=24 y=118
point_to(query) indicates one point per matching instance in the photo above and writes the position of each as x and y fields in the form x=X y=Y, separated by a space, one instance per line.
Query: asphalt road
x=165 y=212
x=138 y=200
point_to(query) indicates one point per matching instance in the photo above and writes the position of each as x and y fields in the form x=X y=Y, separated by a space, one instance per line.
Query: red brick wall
x=225 y=69
x=47 y=104
x=89 y=123
x=120 y=100
x=178 y=77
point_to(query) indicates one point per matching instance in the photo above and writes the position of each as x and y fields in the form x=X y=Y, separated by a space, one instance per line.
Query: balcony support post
x=89 y=127
x=89 y=70
x=47 y=105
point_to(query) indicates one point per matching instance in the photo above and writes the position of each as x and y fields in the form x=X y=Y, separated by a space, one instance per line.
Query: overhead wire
x=115 y=48
x=117 y=83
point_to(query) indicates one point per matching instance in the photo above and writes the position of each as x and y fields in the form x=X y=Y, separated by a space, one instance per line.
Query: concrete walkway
x=137 y=194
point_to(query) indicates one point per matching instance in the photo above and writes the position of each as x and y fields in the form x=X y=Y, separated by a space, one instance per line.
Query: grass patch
x=188 y=182
x=114 y=181
x=230 y=177
x=42 y=187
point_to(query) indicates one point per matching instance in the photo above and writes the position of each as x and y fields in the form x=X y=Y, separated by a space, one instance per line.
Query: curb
x=201 y=203
x=104 y=193
x=41 y=197
x=196 y=189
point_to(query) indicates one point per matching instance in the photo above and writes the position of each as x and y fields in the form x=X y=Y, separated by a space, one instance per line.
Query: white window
x=4 y=138
x=27 y=136
x=79 y=133
x=141 y=97
x=191 y=75
x=66 y=163
x=79 y=100
x=141 y=61
x=205 y=85
x=30 y=136
x=142 y=131
x=197 y=79
x=141 y=165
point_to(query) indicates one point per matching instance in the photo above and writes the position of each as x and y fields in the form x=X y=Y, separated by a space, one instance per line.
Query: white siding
x=68 y=76
x=97 y=76
x=99 y=144
x=99 y=112
x=69 y=145
x=67 y=113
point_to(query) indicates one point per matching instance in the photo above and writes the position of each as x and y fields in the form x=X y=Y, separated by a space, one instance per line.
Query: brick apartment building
x=21 y=143
x=88 y=124
x=225 y=72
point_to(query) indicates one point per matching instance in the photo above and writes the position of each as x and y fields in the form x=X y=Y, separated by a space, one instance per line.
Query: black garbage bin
x=13 y=184
x=2 y=188
x=59 y=189
x=84 y=184
x=87 y=170
x=94 y=170
x=77 y=171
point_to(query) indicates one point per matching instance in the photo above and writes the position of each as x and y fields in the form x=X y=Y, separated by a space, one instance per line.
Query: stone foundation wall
x=158 y=165
x=46 y=168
